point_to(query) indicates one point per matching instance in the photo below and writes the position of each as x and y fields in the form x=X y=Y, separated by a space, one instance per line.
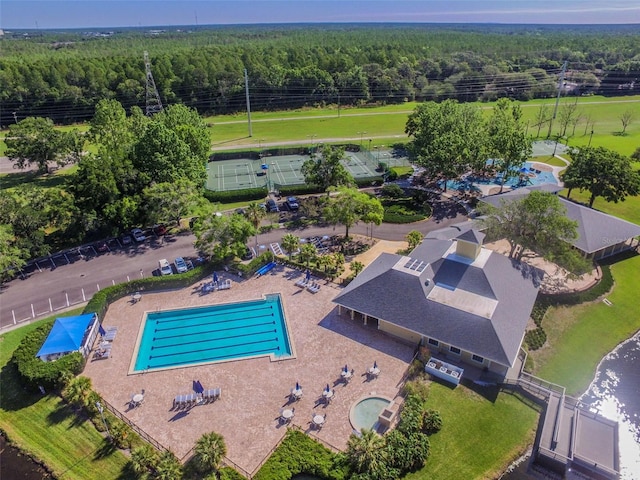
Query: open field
x=47 y=429
x=385 y=124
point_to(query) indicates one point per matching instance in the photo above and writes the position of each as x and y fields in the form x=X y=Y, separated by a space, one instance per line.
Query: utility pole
x=246 y=88
x=154 y=105
x=555 y=110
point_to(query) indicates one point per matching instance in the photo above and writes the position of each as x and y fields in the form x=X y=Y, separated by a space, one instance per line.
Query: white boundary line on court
x=360 y=164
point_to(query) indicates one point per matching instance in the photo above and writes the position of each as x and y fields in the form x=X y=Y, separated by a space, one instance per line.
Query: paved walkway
x=253 y=390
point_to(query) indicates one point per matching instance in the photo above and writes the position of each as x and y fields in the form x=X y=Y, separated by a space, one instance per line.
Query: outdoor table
x=374 y=371
x=296 y=393
x=346 y=375
x=138 y=398
x=287 y=414
x=318 y=420
x=136 y=297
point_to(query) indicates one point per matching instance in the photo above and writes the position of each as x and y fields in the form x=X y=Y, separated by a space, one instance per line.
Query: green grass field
x=479 y=438
x=580 y=336
x=47 y=429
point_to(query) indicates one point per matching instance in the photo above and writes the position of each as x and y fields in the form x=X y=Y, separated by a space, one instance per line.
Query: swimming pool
x=364 y=414
x=524 y=176
x=190 y=336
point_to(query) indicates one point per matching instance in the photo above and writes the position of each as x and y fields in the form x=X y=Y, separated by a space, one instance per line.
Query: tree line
x=63 y=76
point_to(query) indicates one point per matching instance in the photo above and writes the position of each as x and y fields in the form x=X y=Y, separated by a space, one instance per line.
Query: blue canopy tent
x=69 y=334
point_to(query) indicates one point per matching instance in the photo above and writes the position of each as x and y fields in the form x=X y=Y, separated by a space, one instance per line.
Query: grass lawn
x=479 y=438
x=50 y=431
x=579 y=337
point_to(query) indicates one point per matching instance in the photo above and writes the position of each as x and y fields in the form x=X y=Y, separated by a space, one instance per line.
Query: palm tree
x=168 y=467
x=77 y=390
x=367 y=453
x=255 y=213
x=356 y=267
x=143 y=458
x=210 y=449
x=308 y=252
x=290 y=243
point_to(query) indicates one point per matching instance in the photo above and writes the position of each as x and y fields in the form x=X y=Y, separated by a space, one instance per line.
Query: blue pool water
x=364 y=414
x=214 y=333
x=529 y=178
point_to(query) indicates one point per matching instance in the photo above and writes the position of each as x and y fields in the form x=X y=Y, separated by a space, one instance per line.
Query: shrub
x=392 y=190
x=226 y=473
x=401 y=214
x=298 y=453
x=431 y=422
x=417 y=388
x=535 y=338
x=33 y=371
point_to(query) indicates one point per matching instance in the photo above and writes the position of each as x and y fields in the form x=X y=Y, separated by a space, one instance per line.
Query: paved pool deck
x=253 y=390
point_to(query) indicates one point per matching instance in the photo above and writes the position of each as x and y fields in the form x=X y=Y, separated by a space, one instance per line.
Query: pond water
x=15 y=465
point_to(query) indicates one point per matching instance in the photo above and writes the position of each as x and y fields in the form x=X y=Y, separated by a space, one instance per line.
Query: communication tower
x=154 y=105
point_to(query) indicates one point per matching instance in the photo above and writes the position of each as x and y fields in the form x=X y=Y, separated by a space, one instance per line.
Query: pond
x=14 y=464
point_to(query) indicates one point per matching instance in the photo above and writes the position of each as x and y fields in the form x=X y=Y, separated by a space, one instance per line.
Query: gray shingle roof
x=401 y=298
x=596 y=230
x=473 y=236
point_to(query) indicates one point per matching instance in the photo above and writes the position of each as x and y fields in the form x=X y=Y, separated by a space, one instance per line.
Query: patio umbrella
x=195 y=386
x=327 y=388
x=199 y=387
x=307 y=275
x=215 y=277
x=375 y=364
x=297 y=386
x=346 y=369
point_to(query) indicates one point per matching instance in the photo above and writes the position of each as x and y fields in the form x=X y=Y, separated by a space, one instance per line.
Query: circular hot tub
x=365 y=412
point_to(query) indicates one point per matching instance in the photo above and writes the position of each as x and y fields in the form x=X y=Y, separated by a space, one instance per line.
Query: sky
x=46 y=14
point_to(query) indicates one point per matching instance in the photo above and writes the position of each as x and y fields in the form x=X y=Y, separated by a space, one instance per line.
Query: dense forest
x=63 y=75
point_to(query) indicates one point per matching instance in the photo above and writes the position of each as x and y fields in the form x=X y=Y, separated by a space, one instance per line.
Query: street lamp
x=361 y=135
x=590 y=137
x=312 y=137
x=100 y=409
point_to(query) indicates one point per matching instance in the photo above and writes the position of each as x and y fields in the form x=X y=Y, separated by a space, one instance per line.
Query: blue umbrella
x=375 y=364
x=199 y=387
x=297 y=386
x=195 y=386
x=215 y=277
x=327 y=388
x=346 y=369
x=307 y=275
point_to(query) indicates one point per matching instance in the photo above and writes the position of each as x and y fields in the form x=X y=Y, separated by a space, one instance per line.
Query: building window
x=478 y=358
x=434 y=342
x=455 y=350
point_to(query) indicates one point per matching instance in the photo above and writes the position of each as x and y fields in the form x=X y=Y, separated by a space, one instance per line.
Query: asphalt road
x=52 y=289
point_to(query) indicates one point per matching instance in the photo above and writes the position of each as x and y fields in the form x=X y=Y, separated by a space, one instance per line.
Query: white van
x=165 y=267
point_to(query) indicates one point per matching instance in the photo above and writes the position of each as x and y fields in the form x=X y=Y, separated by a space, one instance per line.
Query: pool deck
x=253 y=390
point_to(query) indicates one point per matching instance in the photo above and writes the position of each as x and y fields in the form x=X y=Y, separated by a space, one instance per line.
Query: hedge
x=33 y=371
x=302 y=189
x=258 y=193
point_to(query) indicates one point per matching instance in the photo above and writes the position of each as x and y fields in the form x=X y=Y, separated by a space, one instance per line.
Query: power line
x=154 y=105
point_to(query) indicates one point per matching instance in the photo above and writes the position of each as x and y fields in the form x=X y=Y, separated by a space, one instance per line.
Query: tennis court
x=546 y=148
x=242 y=173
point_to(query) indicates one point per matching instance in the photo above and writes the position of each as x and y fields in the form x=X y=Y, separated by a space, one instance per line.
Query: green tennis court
x=242 y=173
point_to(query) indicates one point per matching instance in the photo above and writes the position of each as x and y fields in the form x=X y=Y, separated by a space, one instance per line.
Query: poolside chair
x=110 y=334
x=217 y=392
x=314 y=287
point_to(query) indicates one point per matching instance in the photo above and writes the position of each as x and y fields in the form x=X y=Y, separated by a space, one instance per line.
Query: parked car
x=102 y=247
x=126 y=240
x=272 y=206
x=165 y=267
x=181 y=265
x=292 y=204
x=138 y=235
x=159 y=230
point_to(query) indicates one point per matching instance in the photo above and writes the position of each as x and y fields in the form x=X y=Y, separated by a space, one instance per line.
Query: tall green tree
x=11 y=257
x=222 y=236
x=34 y=140
x=327 y=169
x=308 y=252
x=508 y=141
x=210 y=449
x=539 y=223
x=171 y=201
x=78 y=390
x=144 y=458
x=447 y=138
x=350 y=206
x=603 y=173
x=111 y=129
x=255 y=213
